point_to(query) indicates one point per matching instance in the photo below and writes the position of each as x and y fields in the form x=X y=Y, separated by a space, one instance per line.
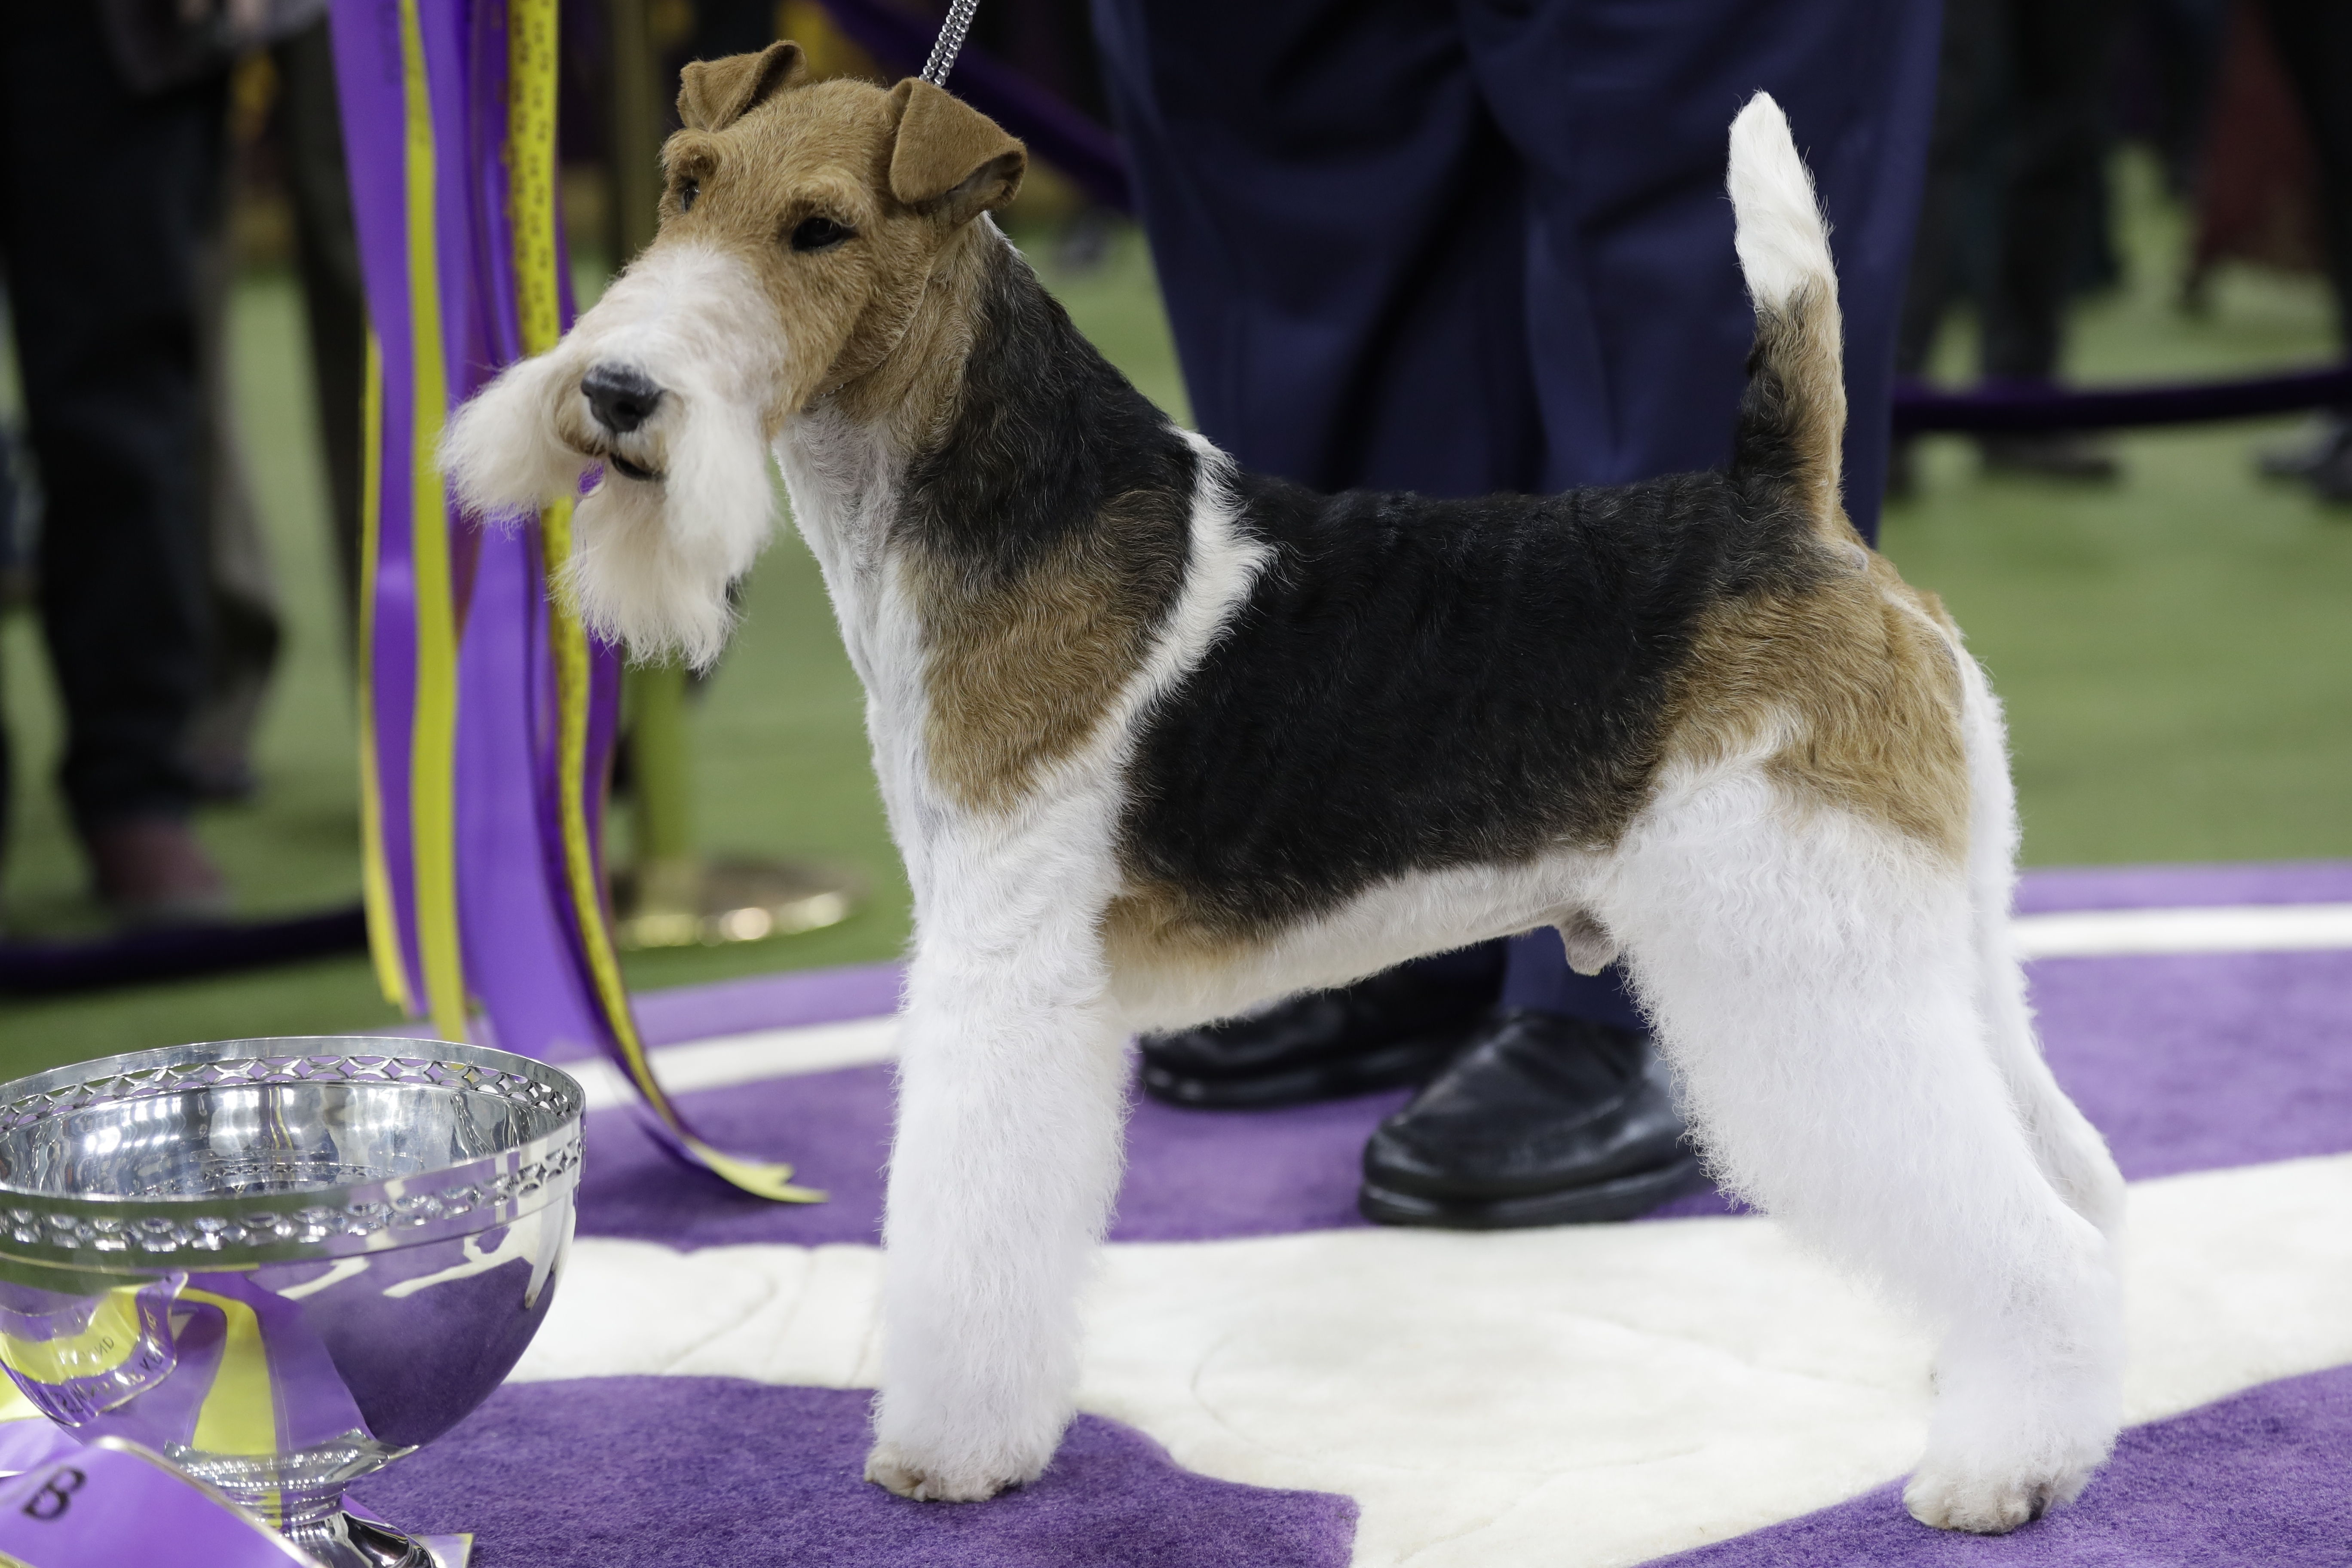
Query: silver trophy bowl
x=285 y=1263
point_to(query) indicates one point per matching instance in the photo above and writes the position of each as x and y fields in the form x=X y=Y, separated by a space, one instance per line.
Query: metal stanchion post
x=673 y=896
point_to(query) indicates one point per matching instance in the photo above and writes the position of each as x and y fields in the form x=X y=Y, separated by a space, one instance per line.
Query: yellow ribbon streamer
x=531 y=184
x=239 y=1413
x=375 y=878
x=433 y=754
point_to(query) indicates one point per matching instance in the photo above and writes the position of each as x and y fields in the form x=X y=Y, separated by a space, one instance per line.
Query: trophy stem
x=300 y=1496
x=314 y=1521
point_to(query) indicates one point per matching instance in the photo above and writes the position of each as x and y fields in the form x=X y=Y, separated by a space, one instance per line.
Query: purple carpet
x=2263 y=1478
x=1192 y=1176
x=669 y=1483
x=2186 y=1063
x=767 y=1001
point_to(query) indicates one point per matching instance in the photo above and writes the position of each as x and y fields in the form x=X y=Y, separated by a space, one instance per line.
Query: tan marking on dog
x=1801 y=350
x=1857 y=667
x=1153 y=927
x=714 y=94
x=1020 y=673
x=1864 y=666
x=878 y=320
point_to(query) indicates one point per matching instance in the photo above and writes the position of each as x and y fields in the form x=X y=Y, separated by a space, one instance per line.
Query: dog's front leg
x=1011 y=1098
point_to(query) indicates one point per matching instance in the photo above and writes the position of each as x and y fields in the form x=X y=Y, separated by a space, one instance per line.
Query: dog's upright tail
x=1792 y=416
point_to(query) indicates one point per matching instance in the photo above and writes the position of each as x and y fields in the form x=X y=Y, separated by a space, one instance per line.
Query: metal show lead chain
x=950 y=42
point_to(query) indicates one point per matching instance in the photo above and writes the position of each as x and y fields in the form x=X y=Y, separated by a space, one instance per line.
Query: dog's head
x=800 y=226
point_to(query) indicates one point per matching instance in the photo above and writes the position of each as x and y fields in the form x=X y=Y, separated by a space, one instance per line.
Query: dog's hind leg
x=2072 y=1153
x=1012 y=1094
x=1814 y=983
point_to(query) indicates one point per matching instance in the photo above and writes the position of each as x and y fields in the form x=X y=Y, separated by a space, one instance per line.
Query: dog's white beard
x=651 y=560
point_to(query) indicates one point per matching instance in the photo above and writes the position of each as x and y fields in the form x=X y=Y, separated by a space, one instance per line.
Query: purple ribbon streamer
x=522 y=943
x=520 y=957
x=367 y=50
x=459 y=126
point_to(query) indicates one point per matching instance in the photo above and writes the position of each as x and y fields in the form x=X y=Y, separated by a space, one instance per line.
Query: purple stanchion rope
x=2034 y=406
x=139 y=957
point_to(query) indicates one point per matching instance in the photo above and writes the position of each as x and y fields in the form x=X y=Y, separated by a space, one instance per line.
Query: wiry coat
x=1161 y=740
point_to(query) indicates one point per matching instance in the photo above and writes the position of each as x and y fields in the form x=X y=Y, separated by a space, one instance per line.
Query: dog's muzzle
x=622 y=399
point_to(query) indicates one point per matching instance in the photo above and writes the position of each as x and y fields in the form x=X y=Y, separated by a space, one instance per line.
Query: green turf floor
x=2173 y=651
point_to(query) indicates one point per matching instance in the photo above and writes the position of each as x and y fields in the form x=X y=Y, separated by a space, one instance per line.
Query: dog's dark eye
x=687 y=192
x=819 y=234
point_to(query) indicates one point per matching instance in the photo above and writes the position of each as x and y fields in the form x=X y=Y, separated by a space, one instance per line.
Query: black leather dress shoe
x=1395 y=1028
x=1541 y=1120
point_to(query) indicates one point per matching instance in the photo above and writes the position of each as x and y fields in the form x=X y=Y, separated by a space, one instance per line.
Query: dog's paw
x=1989 y=1501
x=888 y=1468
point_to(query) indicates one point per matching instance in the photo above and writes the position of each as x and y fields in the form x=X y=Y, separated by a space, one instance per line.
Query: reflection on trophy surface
x=282 y=1263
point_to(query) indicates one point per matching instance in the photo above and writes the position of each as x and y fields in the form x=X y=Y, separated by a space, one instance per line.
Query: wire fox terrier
x=1161 y=740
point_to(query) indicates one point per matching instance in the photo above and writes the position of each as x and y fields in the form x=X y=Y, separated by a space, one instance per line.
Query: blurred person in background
x=113 y=119
x=307 y=121
x=2313 y=42
x=241 y=609
x=2020 y=130
x=2180 y=45
x=15 y=584
x=1461 y=248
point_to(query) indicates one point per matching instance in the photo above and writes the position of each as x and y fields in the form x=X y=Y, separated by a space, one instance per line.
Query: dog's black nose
x=623 y=398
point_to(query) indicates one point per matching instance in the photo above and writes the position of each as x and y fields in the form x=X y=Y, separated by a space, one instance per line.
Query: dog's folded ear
x=951 y=154
x=714 y=94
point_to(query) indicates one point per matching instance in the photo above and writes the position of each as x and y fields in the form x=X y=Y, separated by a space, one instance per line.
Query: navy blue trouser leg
x=1478 y=246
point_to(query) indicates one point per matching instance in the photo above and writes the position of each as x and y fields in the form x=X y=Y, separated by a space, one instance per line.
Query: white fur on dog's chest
x=844 y=483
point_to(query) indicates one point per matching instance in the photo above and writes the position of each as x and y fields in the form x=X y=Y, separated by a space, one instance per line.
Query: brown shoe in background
x=150 y=871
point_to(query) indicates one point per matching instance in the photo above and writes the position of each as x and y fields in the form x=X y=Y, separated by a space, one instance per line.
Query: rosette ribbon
x=488 y=711
x=113 y=1504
